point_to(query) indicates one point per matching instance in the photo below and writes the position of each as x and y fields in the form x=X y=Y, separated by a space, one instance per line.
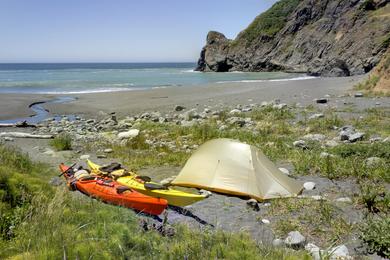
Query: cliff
x=320 y=37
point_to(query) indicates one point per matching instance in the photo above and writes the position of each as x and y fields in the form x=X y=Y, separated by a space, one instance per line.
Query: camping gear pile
x=222 y=165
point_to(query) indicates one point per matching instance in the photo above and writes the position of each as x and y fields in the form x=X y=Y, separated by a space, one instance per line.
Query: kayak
x=112 y=192
x=174 y=197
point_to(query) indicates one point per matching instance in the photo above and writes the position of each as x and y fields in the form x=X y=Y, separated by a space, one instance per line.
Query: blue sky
x=117 y=30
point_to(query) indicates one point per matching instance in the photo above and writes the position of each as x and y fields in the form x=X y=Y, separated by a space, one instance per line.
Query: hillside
x=328 y=38
x=379 y=79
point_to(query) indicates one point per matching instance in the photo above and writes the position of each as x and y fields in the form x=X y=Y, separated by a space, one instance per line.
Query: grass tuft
x=62 y=142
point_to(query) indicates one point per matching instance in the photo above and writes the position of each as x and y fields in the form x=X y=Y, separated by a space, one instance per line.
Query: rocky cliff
x=320 y=37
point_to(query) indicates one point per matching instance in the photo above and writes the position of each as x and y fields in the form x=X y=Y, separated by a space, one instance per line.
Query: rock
x=375 y=139
x=339 y=252
x=179 y=108
x=300 y=144
x=295 y=239
x=371 y=161
x=316 y=116
x=326 y=155
x=167 y=181
x=101 y=156
x=315 y=137
x=265 y=221
x=344 y=200
x=85 y=157
x=8 y=139
x=346 y=132
x=317 y=197
x=187 y=123
x=205 y=193
x=321 y=100
x=285 y=171
x=56 y=181
x=277 y=242
x=309 y=185
x=128 y=135
x=356 y=137
x=331 y=143
x=279 y=106
x=236 y=121
x=252 y=203
x=313 y=250
x=108 y=150
x=235 y=111
x=359 y=94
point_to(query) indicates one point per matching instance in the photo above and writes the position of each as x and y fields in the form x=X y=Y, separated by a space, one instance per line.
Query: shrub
x=375 y=234
x=62 y=142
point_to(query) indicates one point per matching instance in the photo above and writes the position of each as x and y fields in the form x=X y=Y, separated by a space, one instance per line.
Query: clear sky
x=117 y=30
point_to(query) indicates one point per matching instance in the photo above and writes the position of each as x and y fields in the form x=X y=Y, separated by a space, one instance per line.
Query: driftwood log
x=18 y=124
x=24 y=135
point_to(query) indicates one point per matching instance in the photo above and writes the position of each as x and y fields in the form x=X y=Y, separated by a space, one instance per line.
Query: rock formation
x=320 y=37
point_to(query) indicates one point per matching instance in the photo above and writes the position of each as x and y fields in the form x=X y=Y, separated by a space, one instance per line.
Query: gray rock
x=277 y=242
x=179 y=108
x=279 y=106
x=56 y=181
x=101 y=156
x=359 y=94
x=285 y=171
x=252 y=203
x=85 y=157
x=371 y=161
x=108 y=150
x=265 y=221
x=295 y=239
x=128 y=135
x=315 y=137
x=313 y=250
x=205 y=193
x=300 y=144
x=316 y=116
x=309 y=185
x=331 y=143
x=356 y=137
x=8 y=139
x=344 y=200
x=339 y=252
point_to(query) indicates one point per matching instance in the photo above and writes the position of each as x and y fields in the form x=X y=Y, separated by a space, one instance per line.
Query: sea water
x=73 y=78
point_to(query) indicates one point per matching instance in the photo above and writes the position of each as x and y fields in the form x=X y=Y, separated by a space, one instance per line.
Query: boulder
x=128 y=135
x=295 y=240
x=356 y=137
x=309 y=185
x=179 y=108
x=339 y=252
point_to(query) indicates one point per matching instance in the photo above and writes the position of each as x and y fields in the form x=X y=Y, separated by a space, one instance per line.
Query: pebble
x=265 y=221
x=285 y=171
x=84 y=157
x=344 y=200
x=309 y=185
x=359 y=94
x=101 y=156
x=108 y=150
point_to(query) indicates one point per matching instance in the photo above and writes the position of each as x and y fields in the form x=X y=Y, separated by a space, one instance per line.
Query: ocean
x=73 y=78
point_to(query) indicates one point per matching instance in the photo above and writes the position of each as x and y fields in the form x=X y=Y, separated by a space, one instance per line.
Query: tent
x=230 y=167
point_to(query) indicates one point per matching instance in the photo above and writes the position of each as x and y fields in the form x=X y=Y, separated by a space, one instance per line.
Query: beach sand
x=164 y=99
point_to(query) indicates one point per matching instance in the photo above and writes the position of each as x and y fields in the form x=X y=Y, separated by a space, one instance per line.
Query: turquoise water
x=106 y=77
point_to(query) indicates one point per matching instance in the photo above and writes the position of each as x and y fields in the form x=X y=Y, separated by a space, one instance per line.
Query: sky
x=117 y=30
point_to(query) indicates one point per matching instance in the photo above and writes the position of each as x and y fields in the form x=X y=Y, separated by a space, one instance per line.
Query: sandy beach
x=163 y=99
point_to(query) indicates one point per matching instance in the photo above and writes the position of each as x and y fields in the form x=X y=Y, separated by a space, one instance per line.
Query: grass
x=268 y=23
x=62 y=142
x=38 y=221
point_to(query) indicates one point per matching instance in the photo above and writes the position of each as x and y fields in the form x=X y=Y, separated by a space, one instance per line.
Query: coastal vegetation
x=62 y=142
x=39 y=221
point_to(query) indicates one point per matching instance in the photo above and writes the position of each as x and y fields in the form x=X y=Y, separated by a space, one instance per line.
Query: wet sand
x=164 y=99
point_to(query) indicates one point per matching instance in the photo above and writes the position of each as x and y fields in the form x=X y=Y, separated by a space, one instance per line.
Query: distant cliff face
x=320 y=37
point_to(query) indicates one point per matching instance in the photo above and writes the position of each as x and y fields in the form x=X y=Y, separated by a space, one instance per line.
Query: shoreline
x=164 y=99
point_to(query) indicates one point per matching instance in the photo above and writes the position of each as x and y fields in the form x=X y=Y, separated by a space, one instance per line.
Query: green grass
x=61 y=142
x=375 y=233
x=269 y=22
x=38 y=221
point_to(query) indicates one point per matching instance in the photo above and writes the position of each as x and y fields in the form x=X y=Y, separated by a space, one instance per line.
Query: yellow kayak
x=174 y=197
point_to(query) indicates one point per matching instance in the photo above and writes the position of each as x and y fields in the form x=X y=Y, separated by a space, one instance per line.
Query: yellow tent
x=231 y=167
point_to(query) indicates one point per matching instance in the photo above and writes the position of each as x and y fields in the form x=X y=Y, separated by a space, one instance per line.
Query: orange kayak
x=112 y=192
